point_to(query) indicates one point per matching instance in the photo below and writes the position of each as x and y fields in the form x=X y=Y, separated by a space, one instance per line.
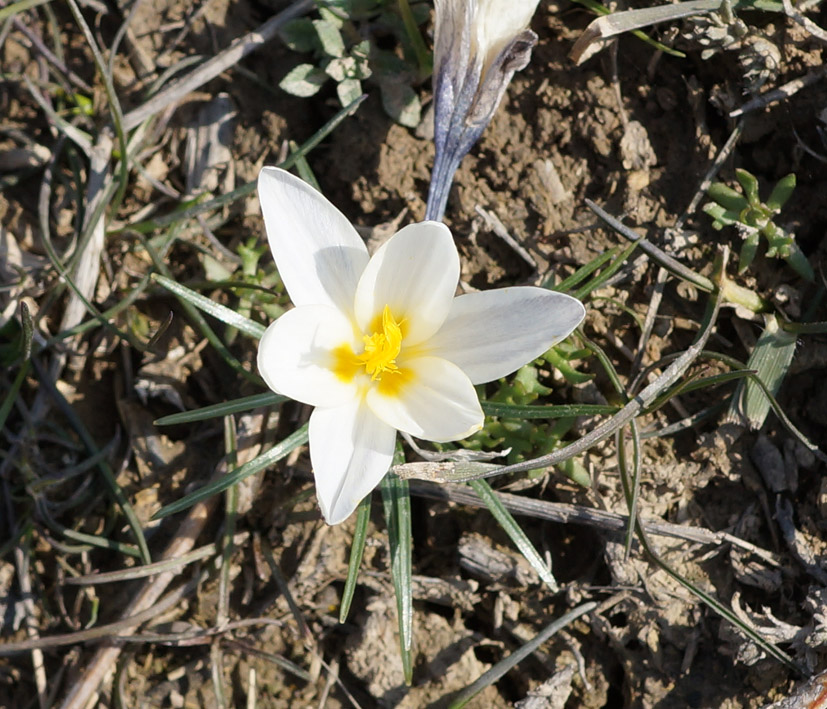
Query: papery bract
x=478 y=45
x=381 y=344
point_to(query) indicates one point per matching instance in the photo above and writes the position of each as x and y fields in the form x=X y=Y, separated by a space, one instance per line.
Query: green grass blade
x=514 y=531
x=88 y=540
x=284 y=589
x=104 y=318
x=553 y=411
x=114 y=108
x=630 y=479
x=508 y=663
x=11 y=394
x=19 y=6
x=606 y=274
x=360 y=535
x=199 y=320
x=724 y=612
x=702 y=383
x=218 y=311
x=303 y=168
x=396 y=501
x=275 y=454
x=223 y=409
x=582 y=273
x=227 y=544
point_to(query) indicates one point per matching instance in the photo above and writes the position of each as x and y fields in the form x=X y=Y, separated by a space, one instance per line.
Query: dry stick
x=215 y=66
x=38 y=44
x=651 y=316
x=805 y=22
x=88 y=266
x=782 y=92
x=22 y=564
x=182 y=543
x=577 y=514
x=105 y=657
x=463 y=472
x=494 y=223
x=118 y=629
x=717 y=163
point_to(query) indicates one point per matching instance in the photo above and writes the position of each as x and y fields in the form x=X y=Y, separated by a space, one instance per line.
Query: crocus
x=379 y=344
x=478 y=45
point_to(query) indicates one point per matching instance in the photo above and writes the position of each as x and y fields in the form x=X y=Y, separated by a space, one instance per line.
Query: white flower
x=381 y=344
x=478 y=45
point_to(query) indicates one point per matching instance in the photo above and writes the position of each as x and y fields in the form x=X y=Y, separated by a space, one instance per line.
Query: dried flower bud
x=479 y=44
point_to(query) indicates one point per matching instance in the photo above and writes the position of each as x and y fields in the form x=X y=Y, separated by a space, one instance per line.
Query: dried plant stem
x=21 y=560
x=794 y=14
x=118 y=629
x=565 y=513
x=105 y=657
x=713 y=170
x=215 y=66
x=38 y=44
x=782 y=92
x=183 y=542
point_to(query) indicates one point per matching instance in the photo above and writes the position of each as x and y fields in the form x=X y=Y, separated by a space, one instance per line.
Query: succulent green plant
x=753 y=219
x=341 y=42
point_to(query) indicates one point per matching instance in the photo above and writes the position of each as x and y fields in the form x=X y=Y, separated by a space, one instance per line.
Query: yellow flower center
x=382 y=348
x=379 y=356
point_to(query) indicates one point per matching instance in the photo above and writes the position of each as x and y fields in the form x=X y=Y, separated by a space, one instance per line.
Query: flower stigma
x=379 y=356
x=382 y=348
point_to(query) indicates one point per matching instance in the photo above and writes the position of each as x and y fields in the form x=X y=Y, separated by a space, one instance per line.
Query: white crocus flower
x=380 y=344
x=478 y=45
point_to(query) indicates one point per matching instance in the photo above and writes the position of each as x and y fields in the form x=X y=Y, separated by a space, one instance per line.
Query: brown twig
x=577 y=514
x=215 y=66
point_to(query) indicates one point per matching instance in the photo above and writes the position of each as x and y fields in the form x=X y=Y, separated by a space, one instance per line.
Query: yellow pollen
x=382 y=348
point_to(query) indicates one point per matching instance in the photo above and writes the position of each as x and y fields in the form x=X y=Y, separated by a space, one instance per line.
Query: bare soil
x=633 y=130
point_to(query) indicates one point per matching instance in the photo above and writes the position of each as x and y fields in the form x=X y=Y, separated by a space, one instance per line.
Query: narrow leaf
x=727 y=197
x=397 y=507
x=224 y=409
x=517 y=411
x=272 y=456
x=511 y=661
x=360 y=534
x=514 y=531
x=218 y=311
x=750 y=184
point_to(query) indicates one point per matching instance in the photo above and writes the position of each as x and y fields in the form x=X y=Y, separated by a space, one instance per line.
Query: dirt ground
x=632 y=129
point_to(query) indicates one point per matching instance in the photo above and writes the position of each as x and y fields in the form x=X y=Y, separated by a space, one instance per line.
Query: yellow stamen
x=382 y=348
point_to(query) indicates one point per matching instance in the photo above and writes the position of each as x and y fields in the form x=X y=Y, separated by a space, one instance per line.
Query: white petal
x=296 y=355
x=351 y=450
x=415 y=272
x=318 y=253
x=492 y=333
x=499 y=21
x=437 y=403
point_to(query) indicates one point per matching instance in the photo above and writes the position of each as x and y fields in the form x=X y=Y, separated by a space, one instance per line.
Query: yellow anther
x=382 y=348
